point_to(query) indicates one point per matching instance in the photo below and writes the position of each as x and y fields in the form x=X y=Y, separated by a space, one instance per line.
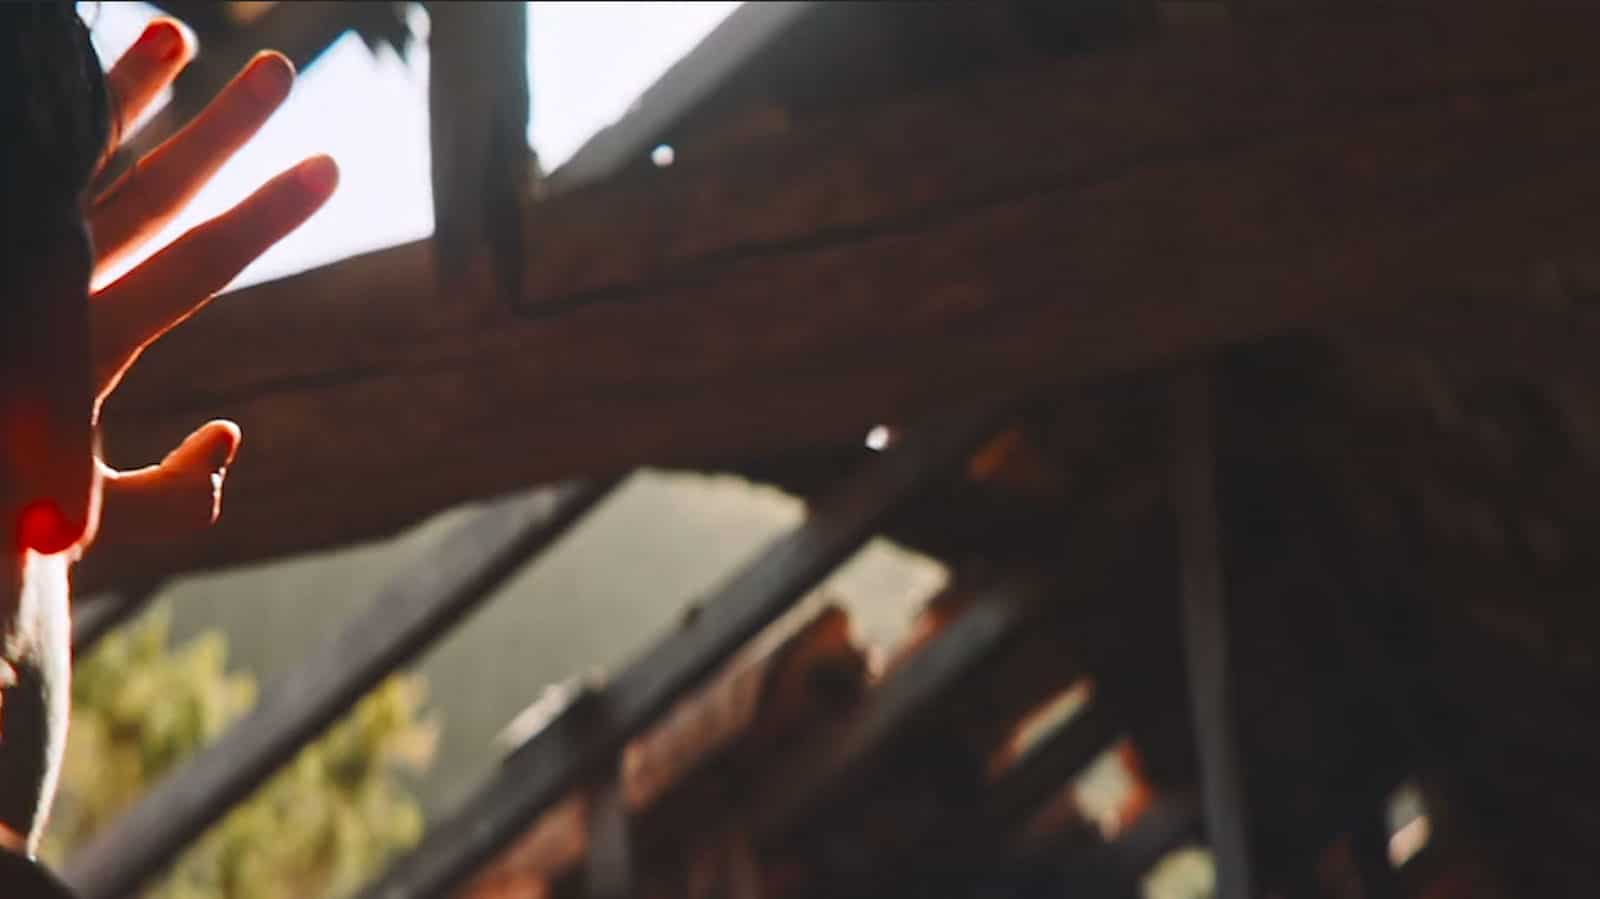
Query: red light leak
x=42 y=528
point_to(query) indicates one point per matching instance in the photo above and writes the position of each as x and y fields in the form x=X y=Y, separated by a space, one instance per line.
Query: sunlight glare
x=589 y=62
x=368 y=111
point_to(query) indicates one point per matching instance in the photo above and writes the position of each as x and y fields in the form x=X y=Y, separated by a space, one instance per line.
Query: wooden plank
x=822 y=772
x=772 y=689
x=481 y=164
x=1049 y=766
x=1205 y=626
x=610 y=866
x=931 y=668
x=879 y=165
x=418 y=607
x=1113 y=869
x=1167 y=825
x=800 y=290
x=592 y=732
x=965 y=843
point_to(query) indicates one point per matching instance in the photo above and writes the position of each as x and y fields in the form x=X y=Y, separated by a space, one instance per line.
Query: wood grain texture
x=1098 y=215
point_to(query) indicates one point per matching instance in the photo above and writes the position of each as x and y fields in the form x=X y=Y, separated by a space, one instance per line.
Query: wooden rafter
x=588 y=736
x=1205 y=626
x=478 y=136
x=905 y=697
x=1181 y=194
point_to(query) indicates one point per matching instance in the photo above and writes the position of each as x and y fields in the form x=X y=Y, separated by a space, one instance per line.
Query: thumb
x=180 y=495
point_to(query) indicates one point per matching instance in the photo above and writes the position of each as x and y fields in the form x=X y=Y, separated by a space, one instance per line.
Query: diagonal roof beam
x=743 y=36
x=418 y=606
x=590 y=733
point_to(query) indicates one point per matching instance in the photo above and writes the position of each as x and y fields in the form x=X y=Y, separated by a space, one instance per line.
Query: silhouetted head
x=54 y=109
x=55 y=128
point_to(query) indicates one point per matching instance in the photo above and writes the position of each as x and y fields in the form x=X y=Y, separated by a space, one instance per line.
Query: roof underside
x=885 y=211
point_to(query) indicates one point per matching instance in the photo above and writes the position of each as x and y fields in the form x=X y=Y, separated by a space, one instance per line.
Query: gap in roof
x=588 y=63
x=367 y=110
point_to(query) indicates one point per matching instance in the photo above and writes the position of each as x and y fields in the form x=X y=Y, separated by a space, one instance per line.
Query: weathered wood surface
x=1065 y=222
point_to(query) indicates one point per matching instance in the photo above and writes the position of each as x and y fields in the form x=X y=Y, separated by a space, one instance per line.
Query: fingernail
x=318 y=174
x=161 y=40
x=269 y=77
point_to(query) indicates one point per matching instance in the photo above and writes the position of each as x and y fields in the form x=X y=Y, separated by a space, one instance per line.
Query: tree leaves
x=320 y=827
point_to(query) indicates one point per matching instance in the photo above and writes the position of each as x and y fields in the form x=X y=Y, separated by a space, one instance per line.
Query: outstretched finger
x=170 y=286
x=159 y=185
x=149 y=65
x=181 y=495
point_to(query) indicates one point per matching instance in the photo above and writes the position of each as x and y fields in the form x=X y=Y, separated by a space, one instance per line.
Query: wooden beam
x=1120 y=210
x=478 y=136
x=818 y=776
x=591 y=733
x=1205 y=626
x=759 y=700
x=610 y=867
x=1168 y=824
x=1000 y=640
x=1045 y=770
x=417 y=607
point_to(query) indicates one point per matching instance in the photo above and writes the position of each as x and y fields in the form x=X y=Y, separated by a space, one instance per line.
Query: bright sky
x=589 y=62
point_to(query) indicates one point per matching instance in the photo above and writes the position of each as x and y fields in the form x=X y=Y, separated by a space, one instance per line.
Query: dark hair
x=55 y=117
x=55 y=129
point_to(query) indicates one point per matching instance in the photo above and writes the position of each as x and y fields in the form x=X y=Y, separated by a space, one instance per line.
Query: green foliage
x=319 y=828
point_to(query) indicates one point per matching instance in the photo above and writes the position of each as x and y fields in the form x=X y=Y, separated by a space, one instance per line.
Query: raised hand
x=183 y=492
